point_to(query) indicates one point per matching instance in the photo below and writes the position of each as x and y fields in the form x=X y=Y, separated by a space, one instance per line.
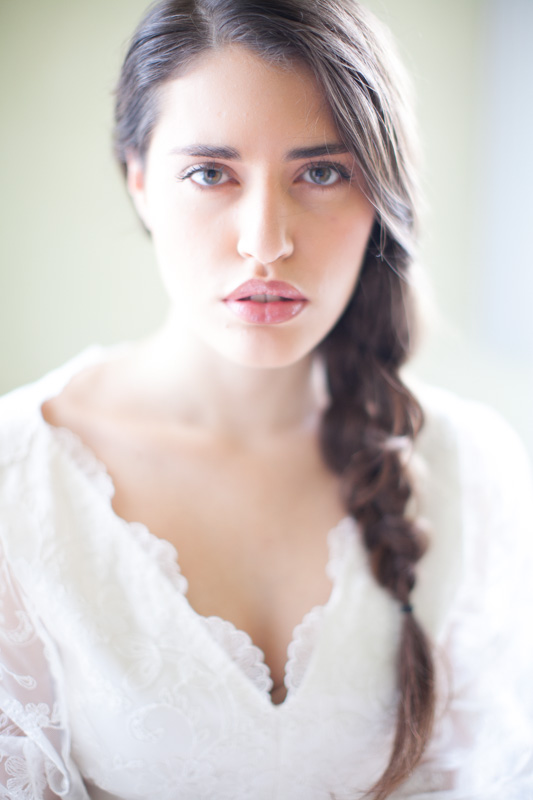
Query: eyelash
x=344 y=174
x=342 y=171
x=200 y=168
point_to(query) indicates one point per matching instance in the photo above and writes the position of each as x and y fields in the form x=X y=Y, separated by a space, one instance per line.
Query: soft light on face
x=250 y=196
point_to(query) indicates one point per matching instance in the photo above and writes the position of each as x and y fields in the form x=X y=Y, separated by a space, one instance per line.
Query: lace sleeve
x=483 y=744
x=34 y=743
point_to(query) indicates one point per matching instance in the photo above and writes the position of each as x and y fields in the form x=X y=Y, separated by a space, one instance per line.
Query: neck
x=187 y=380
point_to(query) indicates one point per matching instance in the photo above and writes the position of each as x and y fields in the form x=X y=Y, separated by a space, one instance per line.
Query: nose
x=264 y=225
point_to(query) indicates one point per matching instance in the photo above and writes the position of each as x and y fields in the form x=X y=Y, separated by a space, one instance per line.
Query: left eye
x=209 y=176
x=321 y=176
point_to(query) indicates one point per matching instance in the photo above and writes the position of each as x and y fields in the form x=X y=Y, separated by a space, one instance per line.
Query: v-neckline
x=166 y=554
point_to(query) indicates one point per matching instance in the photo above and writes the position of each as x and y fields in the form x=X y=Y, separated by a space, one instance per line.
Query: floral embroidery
x=21 y=784
x=162 y=703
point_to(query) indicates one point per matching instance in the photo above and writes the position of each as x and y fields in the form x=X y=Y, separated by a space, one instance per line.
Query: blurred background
x=76 y=267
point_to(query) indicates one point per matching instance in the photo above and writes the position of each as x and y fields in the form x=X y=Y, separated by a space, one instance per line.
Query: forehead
x=234 y=97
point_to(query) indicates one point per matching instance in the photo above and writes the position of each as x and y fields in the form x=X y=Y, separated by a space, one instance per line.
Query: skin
x=266 y=218
x=213 y=406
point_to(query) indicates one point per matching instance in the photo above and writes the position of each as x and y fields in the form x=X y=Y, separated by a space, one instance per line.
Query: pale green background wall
x=75 y=266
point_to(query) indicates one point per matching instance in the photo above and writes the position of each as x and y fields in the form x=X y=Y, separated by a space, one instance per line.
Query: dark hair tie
x=407 y=608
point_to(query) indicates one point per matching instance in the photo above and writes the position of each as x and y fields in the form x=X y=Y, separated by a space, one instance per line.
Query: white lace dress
x=111 y=686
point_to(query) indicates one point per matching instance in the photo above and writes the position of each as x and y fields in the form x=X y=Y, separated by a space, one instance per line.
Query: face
x=256 y=211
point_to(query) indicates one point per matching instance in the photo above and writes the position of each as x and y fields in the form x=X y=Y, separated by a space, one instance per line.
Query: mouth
x=266 y=298
x=262 y=302
x=266 y=292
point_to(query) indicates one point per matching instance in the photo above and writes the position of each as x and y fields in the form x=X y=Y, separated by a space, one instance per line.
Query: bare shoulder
x=91 y=397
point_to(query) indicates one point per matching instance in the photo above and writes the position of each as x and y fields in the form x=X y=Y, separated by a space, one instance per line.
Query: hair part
x=372 y=419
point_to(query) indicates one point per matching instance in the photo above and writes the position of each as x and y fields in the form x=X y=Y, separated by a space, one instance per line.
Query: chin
x=263 y=355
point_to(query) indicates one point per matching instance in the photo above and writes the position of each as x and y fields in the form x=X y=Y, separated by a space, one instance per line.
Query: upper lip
x=277 y=288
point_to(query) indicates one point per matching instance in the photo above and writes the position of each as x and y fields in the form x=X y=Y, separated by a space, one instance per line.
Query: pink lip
x=270 y=313
x=279 y=288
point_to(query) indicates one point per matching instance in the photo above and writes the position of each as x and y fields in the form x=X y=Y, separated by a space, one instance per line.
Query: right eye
x=208 y=176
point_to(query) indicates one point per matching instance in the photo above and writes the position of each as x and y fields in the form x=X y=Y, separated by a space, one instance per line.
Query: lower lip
x=266 y=313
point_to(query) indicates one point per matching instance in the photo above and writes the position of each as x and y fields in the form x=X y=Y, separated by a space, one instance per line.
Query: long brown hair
x=372 y=419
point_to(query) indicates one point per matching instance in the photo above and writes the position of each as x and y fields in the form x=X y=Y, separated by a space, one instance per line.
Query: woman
x=268 y=152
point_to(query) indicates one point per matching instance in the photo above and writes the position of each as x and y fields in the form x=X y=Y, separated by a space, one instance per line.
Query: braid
x=366 y=434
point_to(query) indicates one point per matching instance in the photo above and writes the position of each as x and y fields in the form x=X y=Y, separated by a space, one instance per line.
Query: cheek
x=190 y=225
x=185 y=247
x=340 y=246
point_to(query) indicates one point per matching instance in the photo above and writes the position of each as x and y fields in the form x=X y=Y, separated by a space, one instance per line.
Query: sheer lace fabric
x=111 y=686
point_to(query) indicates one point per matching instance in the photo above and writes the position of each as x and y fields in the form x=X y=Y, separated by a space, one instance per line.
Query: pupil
x=212 y=175
x=322 y=174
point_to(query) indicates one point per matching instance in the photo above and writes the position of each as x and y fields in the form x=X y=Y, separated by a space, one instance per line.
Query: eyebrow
x=230 y=154
x=207 y=151
x=333 y=149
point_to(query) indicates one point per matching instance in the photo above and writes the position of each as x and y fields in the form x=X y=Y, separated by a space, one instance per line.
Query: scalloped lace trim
x=241 y=649
x=340 y=542
x=302 y=646
x=237 y=643
x=86 y=460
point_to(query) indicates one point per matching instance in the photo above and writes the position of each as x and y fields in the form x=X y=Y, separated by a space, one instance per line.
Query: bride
x=267 y=150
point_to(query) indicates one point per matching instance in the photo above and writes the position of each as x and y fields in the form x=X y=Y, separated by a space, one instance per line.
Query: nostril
x=265 y=249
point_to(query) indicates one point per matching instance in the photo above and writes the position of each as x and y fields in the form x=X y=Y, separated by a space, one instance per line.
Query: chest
x=251 y=540
x=250 y=528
